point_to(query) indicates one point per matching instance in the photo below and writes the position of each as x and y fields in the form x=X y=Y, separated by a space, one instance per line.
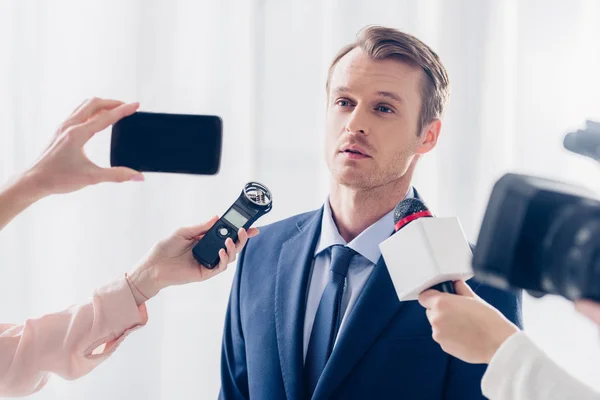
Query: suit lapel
x=293 y=273
x=375 y=308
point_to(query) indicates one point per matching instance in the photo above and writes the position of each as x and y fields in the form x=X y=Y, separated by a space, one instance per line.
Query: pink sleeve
x=67 y=343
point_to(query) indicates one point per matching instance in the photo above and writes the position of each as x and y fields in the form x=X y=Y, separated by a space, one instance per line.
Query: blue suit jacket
x=385 y=350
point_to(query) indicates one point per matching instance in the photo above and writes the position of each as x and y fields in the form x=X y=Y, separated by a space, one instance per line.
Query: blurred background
x=523 y=73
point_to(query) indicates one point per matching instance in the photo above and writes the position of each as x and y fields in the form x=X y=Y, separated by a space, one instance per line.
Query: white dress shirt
x=521 y=371
x=366 y=245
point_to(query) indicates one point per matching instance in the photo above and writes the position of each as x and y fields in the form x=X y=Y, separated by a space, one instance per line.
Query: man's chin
x=353 y=180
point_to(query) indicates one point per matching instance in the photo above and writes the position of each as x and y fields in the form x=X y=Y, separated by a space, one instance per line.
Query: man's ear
x=429 y=136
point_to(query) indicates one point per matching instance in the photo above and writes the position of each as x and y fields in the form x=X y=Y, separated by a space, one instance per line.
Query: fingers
x=243 y=237
x=103 y=120
x=429 y=313
x=117 y=174
x=223 y=260
x=229 y=254
x=90 y=108
x=222 y=266
x=253 y=232
x=225 y=257
x=463 y=289
x=231 y=250
x=78 y=108
x=428 y=297
x=193 y=232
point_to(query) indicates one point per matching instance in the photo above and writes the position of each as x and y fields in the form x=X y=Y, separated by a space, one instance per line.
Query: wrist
x=499 y=337
x=143 y=284
x=15 y=197
x=29 y=188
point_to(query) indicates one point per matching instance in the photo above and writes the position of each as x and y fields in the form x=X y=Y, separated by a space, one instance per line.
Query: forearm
x=16 y=196
x=521 y=371
x=69 y=343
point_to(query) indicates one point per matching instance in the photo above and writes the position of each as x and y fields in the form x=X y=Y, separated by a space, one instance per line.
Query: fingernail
x=137 y=178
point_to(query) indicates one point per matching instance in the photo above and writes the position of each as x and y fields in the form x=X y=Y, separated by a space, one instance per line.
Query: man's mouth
x=354 y=152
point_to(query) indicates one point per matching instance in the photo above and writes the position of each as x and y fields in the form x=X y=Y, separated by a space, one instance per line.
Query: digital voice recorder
x=254 y=202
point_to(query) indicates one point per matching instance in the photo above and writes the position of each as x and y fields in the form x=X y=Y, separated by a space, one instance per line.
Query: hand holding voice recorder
x=254 y=202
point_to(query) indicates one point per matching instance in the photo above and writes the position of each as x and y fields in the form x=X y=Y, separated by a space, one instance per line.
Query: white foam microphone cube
x=426 y=252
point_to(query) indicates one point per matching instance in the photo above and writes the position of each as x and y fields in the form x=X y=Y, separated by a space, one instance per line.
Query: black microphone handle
x=446 y=287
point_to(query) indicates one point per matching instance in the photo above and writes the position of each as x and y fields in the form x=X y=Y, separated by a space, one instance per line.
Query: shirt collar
x=367 y=243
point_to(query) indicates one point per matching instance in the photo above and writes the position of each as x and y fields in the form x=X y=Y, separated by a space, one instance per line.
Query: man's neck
x=354 y=210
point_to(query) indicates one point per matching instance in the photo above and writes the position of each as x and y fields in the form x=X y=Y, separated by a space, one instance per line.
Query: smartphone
x=176 y=143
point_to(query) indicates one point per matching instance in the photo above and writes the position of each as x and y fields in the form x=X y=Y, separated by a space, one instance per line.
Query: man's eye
x=343 y=103
x=384 y=109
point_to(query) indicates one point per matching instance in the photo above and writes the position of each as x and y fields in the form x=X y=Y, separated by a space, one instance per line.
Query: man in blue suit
x=313 y=312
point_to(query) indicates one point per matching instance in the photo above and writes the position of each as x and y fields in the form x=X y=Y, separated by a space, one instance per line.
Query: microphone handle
x=446 y=287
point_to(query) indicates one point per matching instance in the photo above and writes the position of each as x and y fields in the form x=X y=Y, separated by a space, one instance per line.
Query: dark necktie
x=328 y=318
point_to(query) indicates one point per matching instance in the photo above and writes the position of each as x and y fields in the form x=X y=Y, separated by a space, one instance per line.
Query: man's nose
x=358 y=122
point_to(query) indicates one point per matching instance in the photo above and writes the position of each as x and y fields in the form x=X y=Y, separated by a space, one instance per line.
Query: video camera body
x=542 y=235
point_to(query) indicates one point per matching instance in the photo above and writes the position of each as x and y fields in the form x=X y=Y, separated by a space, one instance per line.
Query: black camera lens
x=570 y=253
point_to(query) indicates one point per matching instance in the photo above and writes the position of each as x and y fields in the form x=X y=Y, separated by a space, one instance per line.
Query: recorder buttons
x=224 y=232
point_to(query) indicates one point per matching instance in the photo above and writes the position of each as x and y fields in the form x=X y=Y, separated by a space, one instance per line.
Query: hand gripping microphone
x=254 y=202
x=425 y=251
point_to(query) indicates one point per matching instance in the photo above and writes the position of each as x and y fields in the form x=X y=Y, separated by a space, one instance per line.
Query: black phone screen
x=176 y=143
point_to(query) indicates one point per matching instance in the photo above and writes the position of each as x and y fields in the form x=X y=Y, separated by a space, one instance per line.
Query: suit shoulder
x=262 y=251
x=284 y=227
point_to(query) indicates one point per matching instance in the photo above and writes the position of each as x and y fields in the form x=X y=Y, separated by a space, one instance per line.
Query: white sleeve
x=521 y=371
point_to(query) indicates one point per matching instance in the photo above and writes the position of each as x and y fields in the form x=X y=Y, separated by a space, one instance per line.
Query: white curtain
x=522 y=73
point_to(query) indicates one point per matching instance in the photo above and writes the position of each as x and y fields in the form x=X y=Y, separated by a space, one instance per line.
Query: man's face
x=372 y=120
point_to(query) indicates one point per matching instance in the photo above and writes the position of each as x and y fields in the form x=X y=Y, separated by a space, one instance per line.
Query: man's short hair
x=381 y=43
